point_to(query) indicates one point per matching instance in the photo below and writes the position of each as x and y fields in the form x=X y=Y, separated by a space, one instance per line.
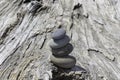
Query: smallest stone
x=58 y=34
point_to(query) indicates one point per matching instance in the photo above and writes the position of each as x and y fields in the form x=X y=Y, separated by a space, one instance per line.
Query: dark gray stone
x=58 y=34
x=63 y=62
x=64 y=51
x=59 y=43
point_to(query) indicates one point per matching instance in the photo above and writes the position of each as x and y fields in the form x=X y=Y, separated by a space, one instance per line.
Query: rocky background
x=26 y=27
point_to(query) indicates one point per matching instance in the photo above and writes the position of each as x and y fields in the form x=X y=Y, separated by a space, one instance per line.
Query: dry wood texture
x=93 y=25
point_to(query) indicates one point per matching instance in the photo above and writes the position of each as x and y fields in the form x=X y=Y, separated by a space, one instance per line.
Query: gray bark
x=93 y=25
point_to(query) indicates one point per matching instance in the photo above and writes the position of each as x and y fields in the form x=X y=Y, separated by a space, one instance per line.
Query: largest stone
x=63 y=62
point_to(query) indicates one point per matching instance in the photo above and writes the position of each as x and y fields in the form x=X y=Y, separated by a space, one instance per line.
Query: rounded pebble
x=59 y=43
x=58 y=34
x=64 y=51
x=63 y=62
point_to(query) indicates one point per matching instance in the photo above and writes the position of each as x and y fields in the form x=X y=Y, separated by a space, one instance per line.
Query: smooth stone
x=58 y=34
x=63 y=62
x=59 y=43
x=64 y=51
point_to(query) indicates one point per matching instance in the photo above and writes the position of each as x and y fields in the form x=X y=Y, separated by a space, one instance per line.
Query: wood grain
x=93 y=25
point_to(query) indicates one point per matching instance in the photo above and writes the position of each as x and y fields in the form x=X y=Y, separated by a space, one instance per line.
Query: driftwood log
x=25 y=31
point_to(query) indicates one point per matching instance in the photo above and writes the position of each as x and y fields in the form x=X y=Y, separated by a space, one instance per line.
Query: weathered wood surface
x=93 y=25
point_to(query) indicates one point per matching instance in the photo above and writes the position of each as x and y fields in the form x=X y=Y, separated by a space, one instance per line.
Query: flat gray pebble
x=63 y=62
x=59 y=43
x=64 y=51
x=58 y=34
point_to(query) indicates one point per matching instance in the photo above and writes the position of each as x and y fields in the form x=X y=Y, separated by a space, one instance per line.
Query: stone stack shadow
x=61 y=48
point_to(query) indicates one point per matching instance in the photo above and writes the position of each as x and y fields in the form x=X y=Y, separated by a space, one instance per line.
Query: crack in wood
x=43 y=43
x=27 y=64
x=99 y=22
x=9 y=74
x=77 y=6
x=17 y=77
x=93 y=50
x=108 y=56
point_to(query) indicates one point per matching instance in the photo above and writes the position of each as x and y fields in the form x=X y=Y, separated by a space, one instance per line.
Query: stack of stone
x=61 y=48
